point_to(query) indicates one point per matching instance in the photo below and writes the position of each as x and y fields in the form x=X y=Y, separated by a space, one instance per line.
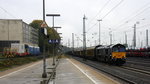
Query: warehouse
x=16 y=31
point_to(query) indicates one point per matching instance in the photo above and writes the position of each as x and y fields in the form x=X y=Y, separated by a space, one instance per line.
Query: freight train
x=17 y=49
x=112 y=54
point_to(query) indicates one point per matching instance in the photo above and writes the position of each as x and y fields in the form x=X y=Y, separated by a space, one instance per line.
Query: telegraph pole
x=77 y=42
x=84 y=39
x=134 y=37
x=110 y=38
x=147 y=37
x=125 y=38
x=95 y=42
x=99 y=32
x=72 y=42
x=110 y=34
x=68 y=42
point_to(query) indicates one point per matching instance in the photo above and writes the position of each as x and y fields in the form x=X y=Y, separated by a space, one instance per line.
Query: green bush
x=13 y=62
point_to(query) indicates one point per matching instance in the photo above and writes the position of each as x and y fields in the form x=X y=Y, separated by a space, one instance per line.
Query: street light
x=53 y=15
x=44 y=75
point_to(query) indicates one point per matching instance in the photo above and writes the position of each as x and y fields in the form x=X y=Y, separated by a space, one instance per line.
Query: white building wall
x=11 y=30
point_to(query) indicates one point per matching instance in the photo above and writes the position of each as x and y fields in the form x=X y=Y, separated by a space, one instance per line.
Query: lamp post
x=53 y=15
x=44 y=75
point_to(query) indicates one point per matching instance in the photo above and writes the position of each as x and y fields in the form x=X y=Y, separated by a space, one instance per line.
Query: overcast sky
x=118 y=17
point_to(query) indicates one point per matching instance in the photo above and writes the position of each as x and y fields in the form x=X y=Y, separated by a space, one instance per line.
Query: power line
x=7 y=12
x=108 y=12
x=133 y=16
x=100 y=11
x=129 y=30
x=113 y=8
x=91 y=27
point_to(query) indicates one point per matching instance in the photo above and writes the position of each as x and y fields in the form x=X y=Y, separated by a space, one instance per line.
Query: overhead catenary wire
x=138 y=12
x=91 y=27
x=130 y=28
x=133 y=16
x=7 y=12
x=100 y=11
x=97 y=15
x=130 y=19
x=129 y=31
x=107 y=13
x=112 y=9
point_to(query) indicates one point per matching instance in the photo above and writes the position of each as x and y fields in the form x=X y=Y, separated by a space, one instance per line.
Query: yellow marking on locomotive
x=119 y=55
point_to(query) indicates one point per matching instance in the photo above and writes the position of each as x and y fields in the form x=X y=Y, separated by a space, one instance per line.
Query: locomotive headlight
x=114 y=57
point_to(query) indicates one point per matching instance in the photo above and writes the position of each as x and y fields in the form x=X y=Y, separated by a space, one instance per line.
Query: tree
x=36 y=24
x=43 y=39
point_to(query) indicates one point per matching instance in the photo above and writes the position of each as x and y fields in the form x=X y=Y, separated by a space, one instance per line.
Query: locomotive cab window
x=119 y=49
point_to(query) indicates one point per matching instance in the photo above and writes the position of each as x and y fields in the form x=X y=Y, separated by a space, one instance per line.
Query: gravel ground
x=138 y=63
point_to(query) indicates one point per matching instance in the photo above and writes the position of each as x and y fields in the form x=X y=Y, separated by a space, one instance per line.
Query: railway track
x=126 y=74
x=139 y=63
x=137 y=70
x=116 y=76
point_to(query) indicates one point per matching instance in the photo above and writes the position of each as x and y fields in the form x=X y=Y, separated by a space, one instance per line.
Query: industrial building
x=17 y=31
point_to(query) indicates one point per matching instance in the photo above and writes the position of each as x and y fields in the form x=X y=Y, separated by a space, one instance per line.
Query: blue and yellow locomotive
x=112 y=54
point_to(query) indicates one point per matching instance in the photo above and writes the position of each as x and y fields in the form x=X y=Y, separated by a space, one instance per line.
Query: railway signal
x=44 y=26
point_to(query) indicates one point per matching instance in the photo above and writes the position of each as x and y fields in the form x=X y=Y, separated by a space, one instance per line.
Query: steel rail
x=121 y=78
x=137 y=70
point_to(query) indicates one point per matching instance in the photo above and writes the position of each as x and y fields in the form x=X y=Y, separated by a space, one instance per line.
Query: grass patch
x=14 y=62
x=1 y=55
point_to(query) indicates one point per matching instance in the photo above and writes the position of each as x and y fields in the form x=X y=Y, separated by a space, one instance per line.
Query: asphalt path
x=27 y=74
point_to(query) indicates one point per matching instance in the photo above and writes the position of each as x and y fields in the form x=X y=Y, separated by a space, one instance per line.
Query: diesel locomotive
x=112 y=54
